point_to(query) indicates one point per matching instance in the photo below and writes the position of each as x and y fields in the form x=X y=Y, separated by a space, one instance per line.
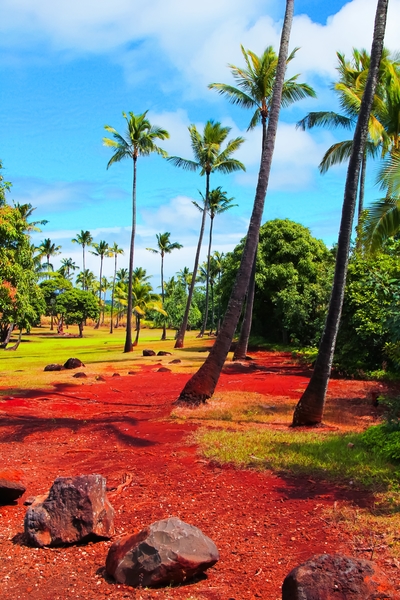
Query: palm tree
x=101 y=249
x=122 y=275
x=84 y=238
x=105 y=285
x=384 y=118
x=47 y=248
x=115 y=251
x=217 y=267
x=140 y=275
x=209 y=159
x=202 y=385
x=144 y=300
x=87 y=280
x=164 y=247
x=26 y=210
x=139 y=141
x=309 y=410
x=218 y=203
x=67 y=265
x=254 y=91
x=185 y=277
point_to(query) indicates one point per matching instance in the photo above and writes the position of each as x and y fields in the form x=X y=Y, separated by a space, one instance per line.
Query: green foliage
x=174 y=305
x=383 y=440
x=369 y=326
x=76 y=306
x=293 y=281
x=21 y=301
x=51 y=288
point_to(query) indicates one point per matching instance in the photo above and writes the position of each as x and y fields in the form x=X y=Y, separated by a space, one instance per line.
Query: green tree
x=76 y=306
x=164 y=246
x=87 y=280
x=140 y=140
x=202 y=385
x=144 y=300
x=208 y=158
x=51 y=288
x=84 y=239
x=67 y=265
x=254 y=91
x=101 y=249
x=5 y=186
x=309 y=410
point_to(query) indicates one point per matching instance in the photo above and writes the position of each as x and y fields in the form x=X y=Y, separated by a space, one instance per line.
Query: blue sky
x=68 y=68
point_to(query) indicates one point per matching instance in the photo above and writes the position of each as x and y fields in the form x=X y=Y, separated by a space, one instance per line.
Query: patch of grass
x=323 y=455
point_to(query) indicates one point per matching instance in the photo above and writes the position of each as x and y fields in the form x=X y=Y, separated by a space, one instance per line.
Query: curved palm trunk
x=203 y=327
x=164 y=332
x=242 y=345
x=181 y=333
x=112 y=295
x=135 y=343
x=310 y=407
x=202 y=385
x=212 y=307
x=128 y=339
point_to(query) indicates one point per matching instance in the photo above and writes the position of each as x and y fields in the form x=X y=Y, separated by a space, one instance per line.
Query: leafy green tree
x=21 y=301
x=76 y=306
x=164 y=246
x=208 y=158
x=202 y=385
x=84 y=239
x=310 y=408
x=140 y=140
x=51 y=288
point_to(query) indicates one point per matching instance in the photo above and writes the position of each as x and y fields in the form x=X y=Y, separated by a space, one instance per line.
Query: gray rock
x=332 y=577
x=76 y=509
x=167 y=552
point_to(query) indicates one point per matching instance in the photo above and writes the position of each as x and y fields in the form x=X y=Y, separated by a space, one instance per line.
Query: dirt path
x=263 y=525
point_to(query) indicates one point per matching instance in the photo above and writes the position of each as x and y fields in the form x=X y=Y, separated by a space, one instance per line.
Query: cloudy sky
x=68 y=68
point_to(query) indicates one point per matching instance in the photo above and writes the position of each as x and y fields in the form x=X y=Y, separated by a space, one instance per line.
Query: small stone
x=11 y=487
x=73 y=363
x=54 y=367
x=163 y=370
x=116 y=375
x=99 y=378
x=147 y=352
x=163 y=353
x=176 y=361
x=79 y=375
x=131 y=372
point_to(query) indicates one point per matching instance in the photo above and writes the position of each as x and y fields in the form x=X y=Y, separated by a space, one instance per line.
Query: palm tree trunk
x=309 y=410
x=181 y=333
x=212 y=307
x=362 y=186
x=83 y=262
x=203 y=327
x=164 y=332
x=128 y=338
x=202 y=385
x=112 y=295
x=101 y=273
x=135 y=343
x=242 y=345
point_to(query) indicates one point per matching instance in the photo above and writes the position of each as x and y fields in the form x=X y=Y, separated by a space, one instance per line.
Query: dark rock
x=167 y=552
x=73 y=363
x=99 y=378
x=54 y=367
x=131 y=372
x=330 y=577
x=176 y=361
x=79 y=375
x=116 y=375
x=11 y=487
x=163 y=370
x=76 y=509
x=163 y=353
x=147 y=352
x=29 y=500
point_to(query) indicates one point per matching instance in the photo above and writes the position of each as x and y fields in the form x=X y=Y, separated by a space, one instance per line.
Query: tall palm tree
x=218 y=203
x=101 y=249
x=254 y=91
x=185 y=277
x=26 y=210
x=309 y=410
x=67 y=265
x=84 y=238
x=87 y=280
x=202 y=385
x=105 y=285
x=115 y=251
x=47 y=248
x=209 y=158
x=140 y=140
x=164 y=246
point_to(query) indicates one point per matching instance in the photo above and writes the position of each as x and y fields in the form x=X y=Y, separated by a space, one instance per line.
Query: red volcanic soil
x=262 y=524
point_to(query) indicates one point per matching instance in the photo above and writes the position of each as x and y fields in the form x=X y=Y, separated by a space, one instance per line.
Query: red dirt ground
x=262 y=524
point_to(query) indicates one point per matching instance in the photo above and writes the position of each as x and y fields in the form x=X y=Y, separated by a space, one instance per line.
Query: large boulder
x=73 y=363
x=167 y=552
x=76 y=509
x=11 y=487
x=336 y=577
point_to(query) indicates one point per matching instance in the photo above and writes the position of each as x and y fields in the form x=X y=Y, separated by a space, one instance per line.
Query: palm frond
x=328 y=119
x=188 y=165
x=382 y=221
